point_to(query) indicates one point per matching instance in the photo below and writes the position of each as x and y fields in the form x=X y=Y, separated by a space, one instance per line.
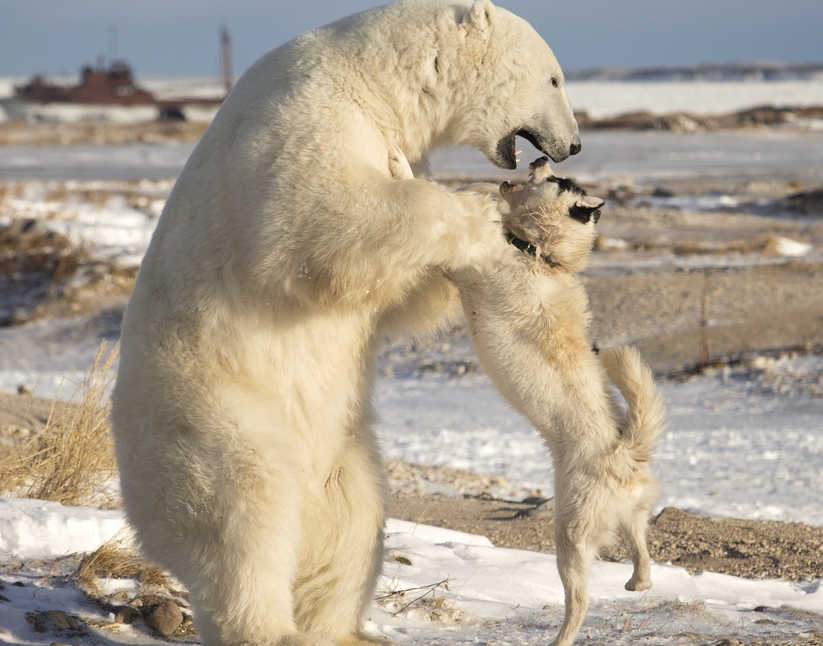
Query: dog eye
x=554 y=82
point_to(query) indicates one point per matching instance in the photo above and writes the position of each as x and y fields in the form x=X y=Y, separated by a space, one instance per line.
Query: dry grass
x=72 y=460
x=114 y=560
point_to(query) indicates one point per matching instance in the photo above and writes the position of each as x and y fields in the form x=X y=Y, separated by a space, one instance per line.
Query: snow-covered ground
x=115 y=227
x=732 y=448
x=604 y=98
x=438 y=587
x=622 y=156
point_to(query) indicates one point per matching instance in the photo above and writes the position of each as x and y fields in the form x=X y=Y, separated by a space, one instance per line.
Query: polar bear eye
x=554 y=82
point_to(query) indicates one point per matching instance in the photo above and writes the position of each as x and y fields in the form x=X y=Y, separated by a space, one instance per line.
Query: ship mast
x=225 y=56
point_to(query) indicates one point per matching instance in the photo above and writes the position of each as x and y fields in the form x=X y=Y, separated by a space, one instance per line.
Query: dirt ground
x=746 y=548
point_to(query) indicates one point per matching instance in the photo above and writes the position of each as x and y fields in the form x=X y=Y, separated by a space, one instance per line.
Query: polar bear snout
x=575 y=146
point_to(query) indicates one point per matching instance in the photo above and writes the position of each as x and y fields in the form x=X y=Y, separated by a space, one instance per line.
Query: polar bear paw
x=398 y=165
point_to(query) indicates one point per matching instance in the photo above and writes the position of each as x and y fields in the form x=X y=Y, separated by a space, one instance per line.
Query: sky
x=180 y=37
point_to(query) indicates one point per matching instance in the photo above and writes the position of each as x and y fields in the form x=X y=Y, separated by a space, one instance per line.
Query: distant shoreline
x=703 y=72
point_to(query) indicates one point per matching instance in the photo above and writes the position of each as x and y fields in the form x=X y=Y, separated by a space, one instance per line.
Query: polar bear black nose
x=576 y=146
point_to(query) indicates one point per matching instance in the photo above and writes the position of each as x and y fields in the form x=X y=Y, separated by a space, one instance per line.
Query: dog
x=528 y=315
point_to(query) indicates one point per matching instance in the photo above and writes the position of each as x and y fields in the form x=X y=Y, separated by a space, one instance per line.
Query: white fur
x=529 y=324
x=241 y=412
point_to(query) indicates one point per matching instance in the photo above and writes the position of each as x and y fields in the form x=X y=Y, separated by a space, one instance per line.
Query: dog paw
x=399 y=166
x=638 y=585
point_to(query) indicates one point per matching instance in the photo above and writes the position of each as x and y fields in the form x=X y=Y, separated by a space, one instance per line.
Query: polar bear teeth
x=506 y=151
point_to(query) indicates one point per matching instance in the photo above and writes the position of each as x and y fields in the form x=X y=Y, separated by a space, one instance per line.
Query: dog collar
x=527 y=247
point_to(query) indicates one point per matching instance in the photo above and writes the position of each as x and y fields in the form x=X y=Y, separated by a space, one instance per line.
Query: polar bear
x=241 y=411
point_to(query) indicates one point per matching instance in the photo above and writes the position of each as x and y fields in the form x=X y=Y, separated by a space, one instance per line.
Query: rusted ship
x=110 y=93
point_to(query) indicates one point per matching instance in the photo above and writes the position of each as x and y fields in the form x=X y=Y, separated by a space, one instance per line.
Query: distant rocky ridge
x=704 y=72
x=765 y=116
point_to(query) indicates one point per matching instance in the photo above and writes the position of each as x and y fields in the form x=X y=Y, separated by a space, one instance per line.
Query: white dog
x=528 y=315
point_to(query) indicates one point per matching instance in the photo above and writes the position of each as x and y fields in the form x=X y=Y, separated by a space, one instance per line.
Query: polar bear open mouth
x=506 y=146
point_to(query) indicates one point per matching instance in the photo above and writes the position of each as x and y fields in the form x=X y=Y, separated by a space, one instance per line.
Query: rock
x=56 y=621
x=126 y=615
x=64 y=621
x=662 y=191
x=806 y=202
x=165 y=618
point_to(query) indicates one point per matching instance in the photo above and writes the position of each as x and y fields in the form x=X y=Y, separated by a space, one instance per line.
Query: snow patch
x=39 y=529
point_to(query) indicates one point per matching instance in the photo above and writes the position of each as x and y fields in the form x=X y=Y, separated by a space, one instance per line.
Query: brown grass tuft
x=72 y=460
x=114 y=560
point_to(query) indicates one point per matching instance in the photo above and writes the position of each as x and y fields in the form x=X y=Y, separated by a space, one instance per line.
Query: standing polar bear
x=241 y=410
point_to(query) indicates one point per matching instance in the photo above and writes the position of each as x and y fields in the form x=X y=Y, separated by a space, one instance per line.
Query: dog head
x=551 y=217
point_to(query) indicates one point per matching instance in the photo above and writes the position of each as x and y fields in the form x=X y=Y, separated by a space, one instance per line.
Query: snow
x=459 y=589
x=112 y=230
x=729 y=448
x=90 y=162
x=40 y=529
x=781 y=246
x=732 y=448
x=624 y=157
x=604 y=99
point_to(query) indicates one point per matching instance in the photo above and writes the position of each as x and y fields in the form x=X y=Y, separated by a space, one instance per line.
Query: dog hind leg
x=635 y=532
x=574 y=557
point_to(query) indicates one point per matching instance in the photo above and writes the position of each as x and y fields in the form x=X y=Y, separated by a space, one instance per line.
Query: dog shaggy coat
x=528 y=316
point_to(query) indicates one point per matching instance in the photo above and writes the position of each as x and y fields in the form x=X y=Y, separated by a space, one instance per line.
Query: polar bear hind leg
x=342 y=545
x=229 y=529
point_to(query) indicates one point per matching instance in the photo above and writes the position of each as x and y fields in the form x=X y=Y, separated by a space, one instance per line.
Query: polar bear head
x=511 y=85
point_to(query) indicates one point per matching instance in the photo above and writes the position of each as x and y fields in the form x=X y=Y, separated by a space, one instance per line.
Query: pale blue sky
x=179 y=37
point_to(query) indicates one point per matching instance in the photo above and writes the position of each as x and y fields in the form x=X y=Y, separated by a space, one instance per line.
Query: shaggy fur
x=528 y=315
x=241 y=413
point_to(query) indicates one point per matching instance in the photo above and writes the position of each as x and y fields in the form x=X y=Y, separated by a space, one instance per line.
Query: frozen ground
x=729 y=449
x=599 y=99
x=738 y=442
x=438 y=587
x=605 y=99
x=735 y=446
x=621 y=156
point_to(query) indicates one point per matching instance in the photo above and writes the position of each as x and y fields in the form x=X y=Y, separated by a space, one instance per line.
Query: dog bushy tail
x=645 y=415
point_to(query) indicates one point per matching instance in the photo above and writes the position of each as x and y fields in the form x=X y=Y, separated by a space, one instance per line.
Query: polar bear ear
x=480 y=15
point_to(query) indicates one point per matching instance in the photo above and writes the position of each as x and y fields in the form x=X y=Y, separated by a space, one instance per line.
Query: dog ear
x=586 y=208
x=591 y=202
x=479 y=16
